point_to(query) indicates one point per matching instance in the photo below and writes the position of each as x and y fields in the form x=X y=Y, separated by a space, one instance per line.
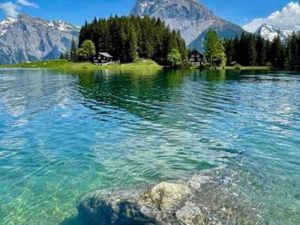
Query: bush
x=174 y=58
x=87 y=50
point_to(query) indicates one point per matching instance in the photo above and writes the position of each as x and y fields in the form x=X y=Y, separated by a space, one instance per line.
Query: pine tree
x=131 y=45
x=292 y=57
x=261 y=51
x=236 y=50
x=277 y=53
x=251 y=51
x=73 y=52
x=229 y=51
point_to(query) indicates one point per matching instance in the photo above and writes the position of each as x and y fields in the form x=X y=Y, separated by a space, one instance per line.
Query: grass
x=145 y=65
x=66 y=65
x=248 y=68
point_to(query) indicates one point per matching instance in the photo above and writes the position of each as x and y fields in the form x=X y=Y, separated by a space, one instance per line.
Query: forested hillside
x=130 y=38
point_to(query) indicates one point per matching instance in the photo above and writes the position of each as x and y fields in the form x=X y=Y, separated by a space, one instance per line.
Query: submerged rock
x=207 y=198
x=154 y=206
x=165 y=196
x=107 y=209
x=191 y=214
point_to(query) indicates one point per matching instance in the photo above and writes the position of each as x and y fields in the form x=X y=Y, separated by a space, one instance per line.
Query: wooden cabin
x=102 y=58
x=196 y=58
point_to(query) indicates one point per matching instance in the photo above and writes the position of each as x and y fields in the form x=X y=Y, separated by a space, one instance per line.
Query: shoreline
x=142 y=65
x=86 y=66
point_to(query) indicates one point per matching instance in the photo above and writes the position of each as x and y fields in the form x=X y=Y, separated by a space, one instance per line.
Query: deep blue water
x=65 y=134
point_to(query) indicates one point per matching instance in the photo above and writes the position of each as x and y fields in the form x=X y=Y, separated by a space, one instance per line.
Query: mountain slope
x=192 y=19
x=269 y=32
x=31 y=39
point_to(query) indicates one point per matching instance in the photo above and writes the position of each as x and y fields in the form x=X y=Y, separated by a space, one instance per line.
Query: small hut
x=195 y=57
x=102 y=58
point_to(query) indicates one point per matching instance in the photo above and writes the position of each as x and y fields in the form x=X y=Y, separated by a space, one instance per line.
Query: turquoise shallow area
x=65 y=134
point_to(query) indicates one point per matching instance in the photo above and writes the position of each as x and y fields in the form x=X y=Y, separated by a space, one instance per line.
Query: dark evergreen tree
x=251 y=51
x=292 y=57
x=277 y=53
x=131 y=44
x=229 y=51
x=261 y=51
x=73 y=52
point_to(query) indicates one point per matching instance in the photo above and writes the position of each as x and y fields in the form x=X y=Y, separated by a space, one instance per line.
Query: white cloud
x=10 y=9
x=27 y=3
x=288 y=18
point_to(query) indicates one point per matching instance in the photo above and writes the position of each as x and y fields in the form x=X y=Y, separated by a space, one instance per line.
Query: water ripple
x=62 y=135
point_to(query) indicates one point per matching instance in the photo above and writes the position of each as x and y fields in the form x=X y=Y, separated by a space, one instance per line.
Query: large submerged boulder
x=211 y=197
x=156 y=205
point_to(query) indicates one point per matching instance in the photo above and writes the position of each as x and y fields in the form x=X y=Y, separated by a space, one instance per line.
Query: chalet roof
x=195 y=52
x=105 y=54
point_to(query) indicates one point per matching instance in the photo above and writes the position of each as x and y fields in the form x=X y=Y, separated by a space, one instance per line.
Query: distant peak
x=270 y=31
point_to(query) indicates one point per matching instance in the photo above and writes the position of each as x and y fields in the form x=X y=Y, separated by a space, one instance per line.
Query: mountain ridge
x=48 y=39
x=191 y=18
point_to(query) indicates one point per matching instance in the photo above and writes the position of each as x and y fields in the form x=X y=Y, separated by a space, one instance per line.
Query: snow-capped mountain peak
x=269 y=32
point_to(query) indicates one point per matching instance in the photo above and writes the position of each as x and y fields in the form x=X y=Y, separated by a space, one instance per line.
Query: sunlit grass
x=67 y=65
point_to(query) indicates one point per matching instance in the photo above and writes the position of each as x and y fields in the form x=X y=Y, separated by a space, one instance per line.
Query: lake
x=63 y=135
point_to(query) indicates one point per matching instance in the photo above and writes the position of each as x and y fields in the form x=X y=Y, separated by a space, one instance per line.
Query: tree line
x=253 y=50
x=129 y=38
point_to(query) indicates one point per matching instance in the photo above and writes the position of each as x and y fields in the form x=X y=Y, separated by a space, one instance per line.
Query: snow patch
x=5 y=24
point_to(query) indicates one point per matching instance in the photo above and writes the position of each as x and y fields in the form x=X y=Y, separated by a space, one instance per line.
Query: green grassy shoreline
x=249 y=68
x=67 y=65
x=146 y=65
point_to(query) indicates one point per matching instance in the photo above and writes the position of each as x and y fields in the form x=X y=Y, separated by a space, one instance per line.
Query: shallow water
x=63 y=135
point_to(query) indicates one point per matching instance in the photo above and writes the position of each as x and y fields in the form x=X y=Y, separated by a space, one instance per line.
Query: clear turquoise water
x=63 y=135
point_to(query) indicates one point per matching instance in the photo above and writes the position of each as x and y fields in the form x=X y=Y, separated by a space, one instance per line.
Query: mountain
x=269 y=32
x=31 y=39
x=192 y=19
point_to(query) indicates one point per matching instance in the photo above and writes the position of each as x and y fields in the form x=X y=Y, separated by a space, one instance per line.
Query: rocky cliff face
x=30 y=39
x=192 y=19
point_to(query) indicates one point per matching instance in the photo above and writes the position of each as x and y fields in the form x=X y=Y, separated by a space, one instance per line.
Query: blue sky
x=77 y=11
